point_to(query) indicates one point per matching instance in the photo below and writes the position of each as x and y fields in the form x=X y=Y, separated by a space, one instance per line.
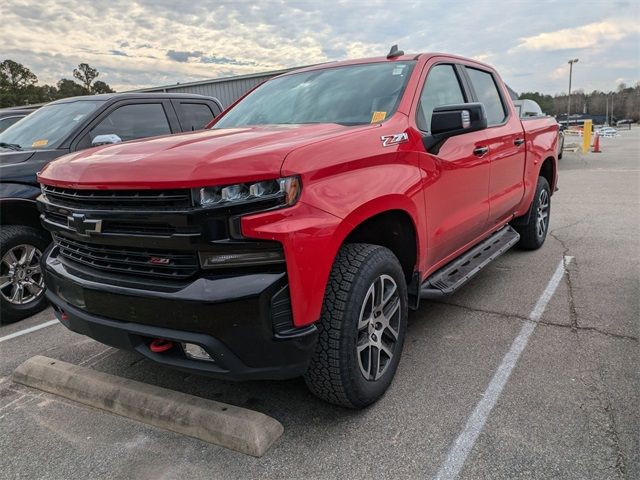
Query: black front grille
x=133 y=261
x=131 y=227
x=118 y=199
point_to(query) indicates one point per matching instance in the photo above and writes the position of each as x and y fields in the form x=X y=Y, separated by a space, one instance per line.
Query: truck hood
x=210 y=157
x=22 y=166
x=9 y=157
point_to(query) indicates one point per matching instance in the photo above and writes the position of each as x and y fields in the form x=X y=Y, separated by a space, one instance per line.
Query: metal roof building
x=226 y=89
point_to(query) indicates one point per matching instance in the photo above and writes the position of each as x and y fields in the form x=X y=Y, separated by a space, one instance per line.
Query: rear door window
x=442 y=87
x=131 y=122
x=487 y=91
x=194 y=116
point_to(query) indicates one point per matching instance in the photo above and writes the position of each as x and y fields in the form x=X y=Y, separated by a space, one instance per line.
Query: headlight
x=286 y=190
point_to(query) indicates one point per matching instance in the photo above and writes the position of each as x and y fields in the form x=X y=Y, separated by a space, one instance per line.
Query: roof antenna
x=394 y=52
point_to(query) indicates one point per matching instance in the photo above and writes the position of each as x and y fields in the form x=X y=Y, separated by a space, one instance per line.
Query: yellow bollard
x=586 y=136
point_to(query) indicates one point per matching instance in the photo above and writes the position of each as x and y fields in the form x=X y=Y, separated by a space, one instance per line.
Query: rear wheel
x=362 y=327
x=534 y=232
x=21 y=279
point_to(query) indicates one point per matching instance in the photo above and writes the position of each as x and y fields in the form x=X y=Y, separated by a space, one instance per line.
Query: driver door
x=456 y=175
x=130 y=121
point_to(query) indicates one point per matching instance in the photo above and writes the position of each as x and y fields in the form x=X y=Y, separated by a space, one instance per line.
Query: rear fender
x=541 y=144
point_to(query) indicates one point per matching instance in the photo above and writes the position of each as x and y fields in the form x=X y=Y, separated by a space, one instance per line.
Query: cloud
x=198 y=56
x=158 y=42
x=586 y=36
x=182 y=56
x=224 y=60
x=484 y=57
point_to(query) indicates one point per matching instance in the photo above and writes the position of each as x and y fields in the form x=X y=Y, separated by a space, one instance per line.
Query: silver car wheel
x=542 y=219
x=378 y=327
x=21 y=280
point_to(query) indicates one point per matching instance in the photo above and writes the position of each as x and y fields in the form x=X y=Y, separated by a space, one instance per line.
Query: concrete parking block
x=236 y=428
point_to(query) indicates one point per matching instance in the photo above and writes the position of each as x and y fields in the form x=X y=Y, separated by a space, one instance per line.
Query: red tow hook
x=160 y=345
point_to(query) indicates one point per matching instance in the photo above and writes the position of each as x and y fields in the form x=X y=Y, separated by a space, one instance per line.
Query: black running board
x=458 y=272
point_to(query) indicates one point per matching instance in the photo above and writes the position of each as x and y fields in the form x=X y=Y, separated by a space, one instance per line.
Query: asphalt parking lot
x=570 y=408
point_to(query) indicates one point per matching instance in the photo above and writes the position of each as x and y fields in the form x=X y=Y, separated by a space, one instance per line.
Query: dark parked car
x=58 y=128
x=9 y=116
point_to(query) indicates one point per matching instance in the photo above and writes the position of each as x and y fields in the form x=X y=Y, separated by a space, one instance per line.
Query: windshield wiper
x=11 y=146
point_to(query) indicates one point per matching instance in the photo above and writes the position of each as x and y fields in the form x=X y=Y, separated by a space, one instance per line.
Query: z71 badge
x=396 y=138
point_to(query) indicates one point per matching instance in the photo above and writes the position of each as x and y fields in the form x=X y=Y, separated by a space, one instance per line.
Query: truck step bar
x=458 y=272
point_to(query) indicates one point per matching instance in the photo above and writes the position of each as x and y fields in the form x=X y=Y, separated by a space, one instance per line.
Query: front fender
x=19 y=211
x=311 y=238
x=10 y=190
x=308 y=236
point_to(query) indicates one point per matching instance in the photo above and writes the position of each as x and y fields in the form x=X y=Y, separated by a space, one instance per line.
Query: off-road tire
x=334 y=373
x=10 y=237
x=530 y=237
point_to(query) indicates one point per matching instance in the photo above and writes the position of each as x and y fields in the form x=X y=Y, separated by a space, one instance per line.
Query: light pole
x=571 y=62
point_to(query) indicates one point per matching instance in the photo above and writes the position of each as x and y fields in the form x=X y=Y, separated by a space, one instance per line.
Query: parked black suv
x=56 y=129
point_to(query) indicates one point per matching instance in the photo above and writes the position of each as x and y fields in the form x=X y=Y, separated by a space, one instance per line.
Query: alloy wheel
x=542 y=218
x=21 y=279
x=378 y=327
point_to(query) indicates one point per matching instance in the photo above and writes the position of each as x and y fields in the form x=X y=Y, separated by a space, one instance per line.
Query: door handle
x=518 y=141
x=480 y=151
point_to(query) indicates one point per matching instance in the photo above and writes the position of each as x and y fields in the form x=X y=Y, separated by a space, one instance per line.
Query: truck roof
x=140 y=95
x=402 y=58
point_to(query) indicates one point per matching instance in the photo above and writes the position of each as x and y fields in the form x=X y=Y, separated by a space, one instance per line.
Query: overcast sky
x=156 y=42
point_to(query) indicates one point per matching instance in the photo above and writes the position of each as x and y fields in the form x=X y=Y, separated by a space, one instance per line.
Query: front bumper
x=241 y=321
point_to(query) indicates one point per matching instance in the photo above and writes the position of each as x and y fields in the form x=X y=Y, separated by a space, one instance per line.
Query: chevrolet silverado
x=293 y=235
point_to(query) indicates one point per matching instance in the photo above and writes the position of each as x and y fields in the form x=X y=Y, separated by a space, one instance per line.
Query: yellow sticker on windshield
x=39 y=143
x=378 y=117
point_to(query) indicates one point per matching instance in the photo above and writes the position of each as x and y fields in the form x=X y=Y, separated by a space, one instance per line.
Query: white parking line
x=28 y=330
x=467 y=438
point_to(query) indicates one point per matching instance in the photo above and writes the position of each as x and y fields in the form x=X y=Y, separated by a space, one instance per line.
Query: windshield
x=48 y=126
x=350 y=95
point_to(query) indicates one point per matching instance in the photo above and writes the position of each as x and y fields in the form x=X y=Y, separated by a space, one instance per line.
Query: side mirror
x=450 y=120
x=105 y=140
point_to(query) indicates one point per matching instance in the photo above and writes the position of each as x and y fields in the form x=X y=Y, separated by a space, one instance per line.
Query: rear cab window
x=486 y=90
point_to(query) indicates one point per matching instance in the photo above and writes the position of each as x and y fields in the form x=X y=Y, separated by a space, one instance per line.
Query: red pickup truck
x=292 y=236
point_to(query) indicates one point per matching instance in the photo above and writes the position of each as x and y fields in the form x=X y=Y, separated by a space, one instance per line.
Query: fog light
x=216 y=260
x=196 y=352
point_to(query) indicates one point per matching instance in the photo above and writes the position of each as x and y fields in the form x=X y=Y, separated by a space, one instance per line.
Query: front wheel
x=534 y=232
x=361 y=329
x=21 y=279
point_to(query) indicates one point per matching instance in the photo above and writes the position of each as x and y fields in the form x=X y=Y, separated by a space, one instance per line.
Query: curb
x=236 y=428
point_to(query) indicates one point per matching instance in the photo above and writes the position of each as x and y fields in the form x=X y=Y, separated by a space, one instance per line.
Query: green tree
x=101 y=87
x=545 y=101
x=86 y=74
x=15 y=81
x=69 y=88
x=15 y=75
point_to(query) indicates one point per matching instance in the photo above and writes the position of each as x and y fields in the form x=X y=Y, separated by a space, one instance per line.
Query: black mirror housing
x=450 y=120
